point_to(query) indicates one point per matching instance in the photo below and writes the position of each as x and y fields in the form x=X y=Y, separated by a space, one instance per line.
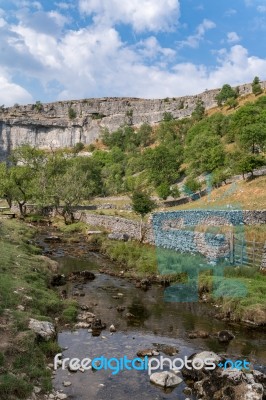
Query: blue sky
x=73 y=49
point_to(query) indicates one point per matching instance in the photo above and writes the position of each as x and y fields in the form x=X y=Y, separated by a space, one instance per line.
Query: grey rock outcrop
x=49 y=125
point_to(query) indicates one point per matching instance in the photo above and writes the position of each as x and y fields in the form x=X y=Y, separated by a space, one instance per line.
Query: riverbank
x=25 y=293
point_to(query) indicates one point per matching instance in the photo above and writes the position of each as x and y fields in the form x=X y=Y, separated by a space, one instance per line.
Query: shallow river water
x=156 y=321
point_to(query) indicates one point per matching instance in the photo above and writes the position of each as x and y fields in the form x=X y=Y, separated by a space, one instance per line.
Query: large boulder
x=43 y=329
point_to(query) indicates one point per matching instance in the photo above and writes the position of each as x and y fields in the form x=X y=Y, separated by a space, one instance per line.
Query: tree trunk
x=21 y=208
x=141 y=227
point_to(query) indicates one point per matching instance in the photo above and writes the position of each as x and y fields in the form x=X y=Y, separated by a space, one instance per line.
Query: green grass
x=135 y=257
x=248 y=289
x=25 y=281
x=72 y=228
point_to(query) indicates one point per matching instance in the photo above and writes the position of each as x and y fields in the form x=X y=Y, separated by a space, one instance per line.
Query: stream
x=156 y=321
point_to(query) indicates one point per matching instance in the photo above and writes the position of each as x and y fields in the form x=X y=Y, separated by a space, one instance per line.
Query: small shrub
x=97 y=116
x=38 y=106
x=72 y=113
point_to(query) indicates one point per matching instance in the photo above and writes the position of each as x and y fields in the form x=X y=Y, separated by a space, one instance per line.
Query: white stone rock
x=61 y=396
x=67 y=383
x=112 y=328
x=165 y=379
x=44 y=329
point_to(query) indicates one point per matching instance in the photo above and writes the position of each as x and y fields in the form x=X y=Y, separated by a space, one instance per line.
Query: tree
x=144 y=135
x=142 y=204
x=6 y=189
x=23 y=175
x=248 y=125
x=232 y=103
x=256 y=87
x=163 y=190
x=244 y=163
x=162 y=164
x=68 y=189
x=220 y=175
x=199 y=110
x=205 y=153
x=253 y=137
x=191 y=186
x=225 y=93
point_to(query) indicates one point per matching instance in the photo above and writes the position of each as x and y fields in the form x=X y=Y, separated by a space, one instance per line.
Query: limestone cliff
x=49 y=125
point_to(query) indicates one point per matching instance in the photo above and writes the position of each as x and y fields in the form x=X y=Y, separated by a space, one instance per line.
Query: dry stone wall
x=171 y=230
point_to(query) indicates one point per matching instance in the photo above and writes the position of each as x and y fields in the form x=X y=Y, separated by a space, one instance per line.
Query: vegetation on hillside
x=153 y=158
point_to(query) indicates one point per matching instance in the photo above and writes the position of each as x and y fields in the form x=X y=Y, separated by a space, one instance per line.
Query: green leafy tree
x=6 y=187
x=256 y=86
x=253 y=137
x=162 y=164
x=142 y=204
x=232 y=103
x=227 y=92
x=23 y=174
x=163 y=190
x=248 y=125
x=243 y=163
x=191 y=186
x=69 y=188
x=219 y=176
x=143 y=136
x=199 y=110
x=205 y=153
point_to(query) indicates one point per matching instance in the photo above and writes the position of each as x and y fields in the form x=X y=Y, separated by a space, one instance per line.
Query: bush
x=72 y=113
x=38 y=106
x=78 y=147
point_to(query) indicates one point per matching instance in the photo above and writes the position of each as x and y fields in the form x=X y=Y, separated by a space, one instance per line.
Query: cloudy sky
x=72 y=49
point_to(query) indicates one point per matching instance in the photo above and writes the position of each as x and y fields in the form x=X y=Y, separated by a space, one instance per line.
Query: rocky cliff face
x=49 y=125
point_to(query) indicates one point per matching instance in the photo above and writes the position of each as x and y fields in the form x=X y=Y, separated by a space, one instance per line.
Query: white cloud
x=232 y=37
x=151 y=15
x=11 y=93
x=42 y=47
x=194 y=40
x=261 y=9
x=150 y=48
x=95 y=62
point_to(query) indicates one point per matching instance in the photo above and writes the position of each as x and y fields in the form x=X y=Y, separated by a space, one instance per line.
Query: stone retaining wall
x=175 y=230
